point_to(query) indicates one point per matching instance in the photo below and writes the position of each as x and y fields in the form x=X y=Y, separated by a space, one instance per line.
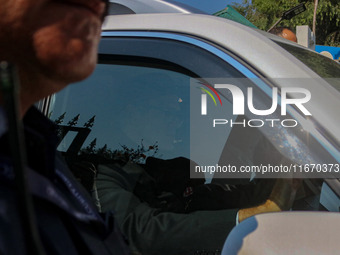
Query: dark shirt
x=67 y=219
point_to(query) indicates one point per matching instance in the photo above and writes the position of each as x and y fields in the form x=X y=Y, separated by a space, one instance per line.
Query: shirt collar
x=40 y=139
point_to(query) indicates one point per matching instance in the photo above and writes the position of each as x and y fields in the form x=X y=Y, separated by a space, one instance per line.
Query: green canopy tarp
x=230 y=13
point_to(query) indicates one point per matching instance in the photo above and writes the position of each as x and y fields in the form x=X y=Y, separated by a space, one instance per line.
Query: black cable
x=9 y=85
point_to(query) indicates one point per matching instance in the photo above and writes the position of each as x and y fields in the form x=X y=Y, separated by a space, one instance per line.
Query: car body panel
x=142 y=42
x=156 y=6
x=309 y=233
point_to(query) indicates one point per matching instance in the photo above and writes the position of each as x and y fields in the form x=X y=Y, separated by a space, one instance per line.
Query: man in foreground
x=51 y=43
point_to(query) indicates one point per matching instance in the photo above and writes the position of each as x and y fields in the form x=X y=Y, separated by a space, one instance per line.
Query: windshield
x=323 y=66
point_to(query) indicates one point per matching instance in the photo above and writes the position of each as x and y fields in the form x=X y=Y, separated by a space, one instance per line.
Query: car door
x=145 y=100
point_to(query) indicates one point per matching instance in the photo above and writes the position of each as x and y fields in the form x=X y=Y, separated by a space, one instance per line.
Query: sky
x=209 y=6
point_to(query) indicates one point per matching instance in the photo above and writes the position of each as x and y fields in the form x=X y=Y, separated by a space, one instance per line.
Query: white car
x=152 y=96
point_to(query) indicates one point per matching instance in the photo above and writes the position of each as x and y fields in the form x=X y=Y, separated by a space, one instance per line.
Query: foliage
x=73 y=122
x=125 y=154
x=333 y=39
x=60 y=119
x=264 y=14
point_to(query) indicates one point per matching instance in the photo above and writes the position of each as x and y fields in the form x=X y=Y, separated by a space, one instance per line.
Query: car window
x=141 y=110
x=323 y=66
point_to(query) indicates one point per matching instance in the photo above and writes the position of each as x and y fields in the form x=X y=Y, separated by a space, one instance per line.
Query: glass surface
x=133 y=123
x=323 y=66
x=134 y=109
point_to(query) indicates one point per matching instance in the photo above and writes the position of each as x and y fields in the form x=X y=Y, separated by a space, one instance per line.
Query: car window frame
x=249 y=71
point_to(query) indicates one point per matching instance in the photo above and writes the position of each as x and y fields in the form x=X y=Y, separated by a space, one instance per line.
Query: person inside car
x=162 y=210
x=285 y=33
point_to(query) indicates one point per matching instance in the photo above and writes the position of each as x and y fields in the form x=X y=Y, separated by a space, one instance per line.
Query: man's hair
x=278 y=30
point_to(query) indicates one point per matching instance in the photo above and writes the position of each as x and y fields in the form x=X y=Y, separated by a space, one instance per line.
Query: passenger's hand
x=284 y=192
x=281 y=198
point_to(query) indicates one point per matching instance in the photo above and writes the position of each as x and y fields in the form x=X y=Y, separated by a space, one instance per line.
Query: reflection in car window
x=133 y=107
x=138 y=117
x=323 y=66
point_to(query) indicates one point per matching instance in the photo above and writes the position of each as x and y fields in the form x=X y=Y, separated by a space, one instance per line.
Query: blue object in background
x=335 y=51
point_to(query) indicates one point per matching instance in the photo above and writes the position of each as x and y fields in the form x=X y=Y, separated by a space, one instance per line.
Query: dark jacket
x=67 y=219
x=153 y=231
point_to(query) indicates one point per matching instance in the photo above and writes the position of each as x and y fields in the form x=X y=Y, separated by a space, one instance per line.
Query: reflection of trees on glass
x=325 y=67
x=60 y=119
x=74 y=121
x=90 y=122
x=123 y=154
x=58 y=122
x=91 y=148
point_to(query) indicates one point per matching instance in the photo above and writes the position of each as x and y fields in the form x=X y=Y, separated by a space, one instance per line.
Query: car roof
x=150 y=6
x=229 y=34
